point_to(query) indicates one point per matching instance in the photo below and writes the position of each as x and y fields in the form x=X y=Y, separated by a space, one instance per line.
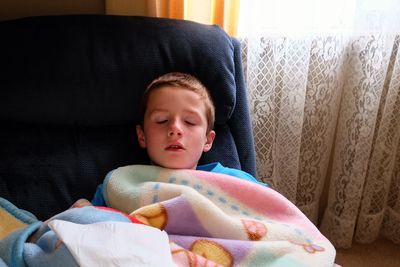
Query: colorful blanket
x=226 y=220
x=211 y=220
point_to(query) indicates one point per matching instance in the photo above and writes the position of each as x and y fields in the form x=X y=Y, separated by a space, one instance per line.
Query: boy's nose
x=174 y=129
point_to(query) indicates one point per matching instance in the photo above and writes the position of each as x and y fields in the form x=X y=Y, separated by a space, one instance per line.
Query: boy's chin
x=173 y=165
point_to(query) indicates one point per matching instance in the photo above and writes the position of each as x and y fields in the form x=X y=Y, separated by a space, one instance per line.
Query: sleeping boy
x=176 y=128
x=177 y=120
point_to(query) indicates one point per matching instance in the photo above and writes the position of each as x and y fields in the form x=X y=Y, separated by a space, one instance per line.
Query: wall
x=126 y=7
x=11 y=9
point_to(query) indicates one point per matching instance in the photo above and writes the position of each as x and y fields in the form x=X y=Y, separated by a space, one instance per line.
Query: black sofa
x=69 y=93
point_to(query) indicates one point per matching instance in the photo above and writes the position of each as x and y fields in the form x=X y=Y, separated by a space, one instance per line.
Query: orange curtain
x=224 y=13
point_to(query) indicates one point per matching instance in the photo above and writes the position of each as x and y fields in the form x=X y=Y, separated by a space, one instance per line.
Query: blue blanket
x=18 y=247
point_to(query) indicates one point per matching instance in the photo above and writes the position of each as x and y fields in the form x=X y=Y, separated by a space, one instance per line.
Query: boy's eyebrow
x=158 y=110
x=193 y=112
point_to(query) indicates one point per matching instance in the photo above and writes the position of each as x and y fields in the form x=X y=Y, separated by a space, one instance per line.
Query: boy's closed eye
x=190 y=123
x=192 y=119
x=159 y=118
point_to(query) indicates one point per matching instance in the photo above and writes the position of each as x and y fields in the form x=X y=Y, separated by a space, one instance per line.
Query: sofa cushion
x=70 y=92
x=92 y=70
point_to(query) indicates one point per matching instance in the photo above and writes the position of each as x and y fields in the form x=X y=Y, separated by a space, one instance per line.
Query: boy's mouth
x=175 y=147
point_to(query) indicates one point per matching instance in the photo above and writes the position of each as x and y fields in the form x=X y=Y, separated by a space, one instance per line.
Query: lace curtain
x=326 y=122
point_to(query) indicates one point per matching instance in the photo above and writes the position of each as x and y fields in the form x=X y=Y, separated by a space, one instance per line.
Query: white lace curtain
x=326 y=122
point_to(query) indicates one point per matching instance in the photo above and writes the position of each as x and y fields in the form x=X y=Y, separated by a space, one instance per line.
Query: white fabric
x=109 y=244
x=325 y=106
x=326 y=121
x=308 y=17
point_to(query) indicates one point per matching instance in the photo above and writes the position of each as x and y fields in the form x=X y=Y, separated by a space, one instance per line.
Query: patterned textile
x=211 y=220
x=326 y=121
x=228 y=221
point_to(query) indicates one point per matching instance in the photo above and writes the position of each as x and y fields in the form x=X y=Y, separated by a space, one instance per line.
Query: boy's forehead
x=166 y=92
x=165 y=100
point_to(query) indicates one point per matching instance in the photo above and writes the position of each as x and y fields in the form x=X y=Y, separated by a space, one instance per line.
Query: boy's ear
x=209 y=141
x=140 y=136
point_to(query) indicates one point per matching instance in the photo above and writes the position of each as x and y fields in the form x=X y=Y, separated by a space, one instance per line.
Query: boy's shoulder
x=219 y=168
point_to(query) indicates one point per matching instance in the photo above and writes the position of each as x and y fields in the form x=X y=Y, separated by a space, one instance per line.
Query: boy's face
x=175 y=128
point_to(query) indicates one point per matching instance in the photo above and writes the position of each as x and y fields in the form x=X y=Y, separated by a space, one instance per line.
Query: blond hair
x=184 y=81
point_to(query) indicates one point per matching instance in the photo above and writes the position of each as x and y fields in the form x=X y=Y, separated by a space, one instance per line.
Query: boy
x=177 y=120
x=176 y=128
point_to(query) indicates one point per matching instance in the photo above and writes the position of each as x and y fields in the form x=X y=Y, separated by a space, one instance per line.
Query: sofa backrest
x=70 y=88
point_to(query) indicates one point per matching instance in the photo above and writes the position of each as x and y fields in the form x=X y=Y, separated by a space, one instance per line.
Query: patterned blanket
x=219 y=218
x=211 y=220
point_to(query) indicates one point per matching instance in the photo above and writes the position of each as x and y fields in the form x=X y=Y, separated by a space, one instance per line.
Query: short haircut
x=183 y=81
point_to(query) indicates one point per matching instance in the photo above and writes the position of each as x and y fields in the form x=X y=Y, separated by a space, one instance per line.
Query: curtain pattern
x=326 y=122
